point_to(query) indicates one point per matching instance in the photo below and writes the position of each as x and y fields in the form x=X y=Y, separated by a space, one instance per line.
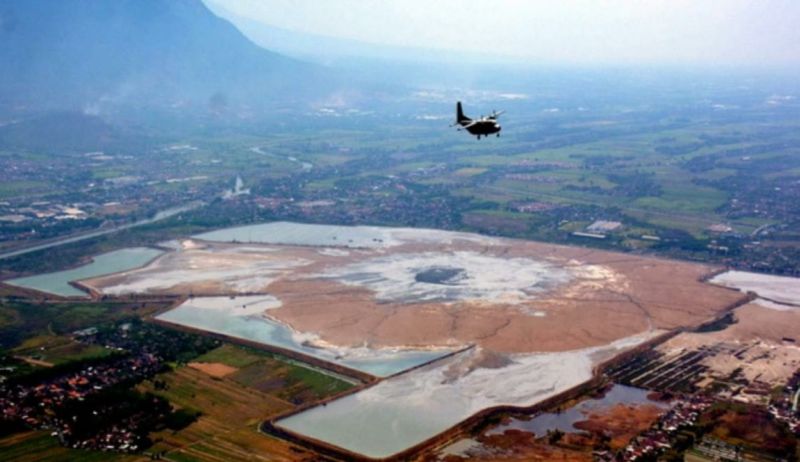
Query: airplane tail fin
x=460 y=117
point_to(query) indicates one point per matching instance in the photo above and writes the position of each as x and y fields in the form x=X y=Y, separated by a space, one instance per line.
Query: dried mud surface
x=507 y=295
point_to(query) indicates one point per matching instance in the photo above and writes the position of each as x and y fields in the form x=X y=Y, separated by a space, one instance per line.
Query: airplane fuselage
x=485 y=128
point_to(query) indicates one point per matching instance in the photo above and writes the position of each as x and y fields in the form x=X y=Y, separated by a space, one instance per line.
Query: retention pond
x=243 y=318
x=58 y=283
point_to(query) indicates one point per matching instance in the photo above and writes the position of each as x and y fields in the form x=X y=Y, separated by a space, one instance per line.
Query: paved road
x=162 y=215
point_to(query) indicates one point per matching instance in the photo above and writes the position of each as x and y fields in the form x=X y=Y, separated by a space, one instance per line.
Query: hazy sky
x=706 y=32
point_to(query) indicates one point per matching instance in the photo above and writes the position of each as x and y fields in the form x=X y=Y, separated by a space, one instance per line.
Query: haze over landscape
x=700 y=33
x=261 y=230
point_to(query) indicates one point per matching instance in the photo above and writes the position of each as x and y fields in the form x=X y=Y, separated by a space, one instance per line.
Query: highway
x=162 y=215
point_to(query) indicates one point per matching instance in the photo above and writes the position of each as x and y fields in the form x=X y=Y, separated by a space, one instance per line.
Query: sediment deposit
x=423 y=289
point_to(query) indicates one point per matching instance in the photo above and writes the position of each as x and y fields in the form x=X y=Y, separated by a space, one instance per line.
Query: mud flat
x=512 y=296
x=409 y=408
x=400 y=287
x=58 y=283
x=197 y=269
x=422 y=289
x=243 y=318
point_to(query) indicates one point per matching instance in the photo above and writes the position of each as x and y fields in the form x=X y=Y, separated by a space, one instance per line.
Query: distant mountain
x=341 y=51
x=64 y=132
x=88 y=54
x=387 y=69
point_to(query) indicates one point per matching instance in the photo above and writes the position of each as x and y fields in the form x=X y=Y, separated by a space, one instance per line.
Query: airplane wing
x=496 y=114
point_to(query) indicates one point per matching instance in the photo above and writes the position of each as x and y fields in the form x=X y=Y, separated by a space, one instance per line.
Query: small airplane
x=484 y=126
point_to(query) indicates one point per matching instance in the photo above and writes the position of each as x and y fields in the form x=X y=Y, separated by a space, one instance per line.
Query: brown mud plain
x=575 y=298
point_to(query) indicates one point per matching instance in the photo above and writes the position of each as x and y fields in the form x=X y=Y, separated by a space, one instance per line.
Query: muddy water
x=112 y=262
x=302 y=234
x=779 y=289
x=565 y=421
x=230 y=316
x=409 y=408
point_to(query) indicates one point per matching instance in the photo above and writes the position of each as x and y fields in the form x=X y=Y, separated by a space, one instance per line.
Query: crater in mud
x=441 y=275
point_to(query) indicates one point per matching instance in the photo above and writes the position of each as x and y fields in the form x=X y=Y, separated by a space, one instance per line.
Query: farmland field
x=230 y=408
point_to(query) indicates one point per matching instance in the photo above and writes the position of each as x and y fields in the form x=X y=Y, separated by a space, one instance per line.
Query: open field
x=213 y=369
x=23 y=319
x=226 y=427
x=231 y=407
x=39 y=446
x=281 y=378
x=55 y=350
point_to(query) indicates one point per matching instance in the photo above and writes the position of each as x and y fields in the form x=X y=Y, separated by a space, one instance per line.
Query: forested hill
x=81 y=54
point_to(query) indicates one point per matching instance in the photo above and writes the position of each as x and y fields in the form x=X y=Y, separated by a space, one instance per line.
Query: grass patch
x=469 y=171
x=58 y=349
x=231 y=355
x=229 y=412
x=23 y=320
x=273 y=374
x=40 y=446
x=9 y=189
x=319 y=383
